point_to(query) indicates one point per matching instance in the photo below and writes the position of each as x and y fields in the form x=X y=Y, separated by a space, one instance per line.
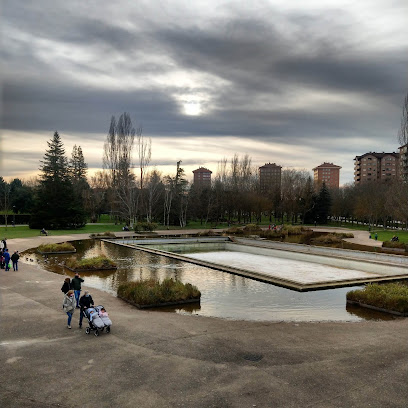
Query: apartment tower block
x=270 y=176
x=376 y=167
x=202 y=177
x=327 y=173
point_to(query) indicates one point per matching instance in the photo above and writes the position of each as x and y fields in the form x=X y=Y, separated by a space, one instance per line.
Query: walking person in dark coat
x=66 y=286
x=76 y=286
x=7 y=259
x=86 y=301
x=14 y=258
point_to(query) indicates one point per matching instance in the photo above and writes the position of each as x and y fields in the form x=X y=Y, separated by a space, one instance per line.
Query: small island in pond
x=153 y=293
x=90 y=264
x=386 y=297
x=63 y=248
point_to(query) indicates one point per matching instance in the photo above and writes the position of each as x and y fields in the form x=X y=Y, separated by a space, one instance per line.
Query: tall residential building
x=403 y=159
x=270 y=177
x=376 y=167
x=202 y=177
x=327 y=173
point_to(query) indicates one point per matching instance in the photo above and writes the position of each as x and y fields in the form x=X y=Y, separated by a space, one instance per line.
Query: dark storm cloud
x=268 y=61
x=43 y=106
x=253 y=58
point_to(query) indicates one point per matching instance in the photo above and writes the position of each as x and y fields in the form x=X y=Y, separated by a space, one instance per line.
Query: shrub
x=106 y=234
x=208 y=233
x=390 y=296
x=63 y=247
x=280 y=231
x=145 y=226
x=235 y=231
x=97 y=262
x=271 y=234
x=252 y=228
x=392 y=244
x=326 y=239
x=249 y=229
x=154 y=292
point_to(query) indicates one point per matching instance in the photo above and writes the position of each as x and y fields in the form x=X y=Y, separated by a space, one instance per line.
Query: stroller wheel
x=96 y=333
x=108 y=329
x=87 y=331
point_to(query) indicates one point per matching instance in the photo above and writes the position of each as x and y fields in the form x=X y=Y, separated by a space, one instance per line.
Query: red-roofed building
x=270 y=175
x=202 y=177
x=327 y=173
x=376 y=167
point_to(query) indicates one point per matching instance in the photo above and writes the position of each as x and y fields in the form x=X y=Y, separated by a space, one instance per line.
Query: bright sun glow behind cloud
x=192 y=108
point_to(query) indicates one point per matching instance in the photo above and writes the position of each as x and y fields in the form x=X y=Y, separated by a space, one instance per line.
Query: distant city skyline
x=295 y=84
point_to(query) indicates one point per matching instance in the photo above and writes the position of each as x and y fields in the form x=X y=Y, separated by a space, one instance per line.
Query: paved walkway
x=158 y=359
x=360 y=237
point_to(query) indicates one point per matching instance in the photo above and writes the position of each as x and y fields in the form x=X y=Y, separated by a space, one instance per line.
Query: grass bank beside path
x=24 y=232
x=382 y=235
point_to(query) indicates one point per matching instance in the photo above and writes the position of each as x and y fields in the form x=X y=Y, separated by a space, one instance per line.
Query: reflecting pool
x=223 y=295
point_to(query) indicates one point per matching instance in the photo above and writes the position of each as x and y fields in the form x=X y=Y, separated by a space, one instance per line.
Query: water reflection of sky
x=223 y=295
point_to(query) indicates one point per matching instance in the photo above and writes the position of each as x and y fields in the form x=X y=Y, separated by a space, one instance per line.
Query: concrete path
x=158 y=359
x=360 y=237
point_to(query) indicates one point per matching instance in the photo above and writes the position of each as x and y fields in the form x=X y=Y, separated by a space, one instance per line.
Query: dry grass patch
x=154 y=292
x=390 y=296
x=63 y=247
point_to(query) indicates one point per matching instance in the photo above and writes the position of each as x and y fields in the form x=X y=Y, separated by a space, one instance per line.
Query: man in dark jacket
x=14 y=258
x=76 y=287
x=86 y=301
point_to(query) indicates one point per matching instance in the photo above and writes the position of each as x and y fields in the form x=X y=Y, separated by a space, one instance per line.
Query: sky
x=287 y=82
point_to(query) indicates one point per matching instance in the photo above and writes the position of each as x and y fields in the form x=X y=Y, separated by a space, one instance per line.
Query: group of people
x=73 y=300
x=395 y=238
x=375 y=236
x=5 y=257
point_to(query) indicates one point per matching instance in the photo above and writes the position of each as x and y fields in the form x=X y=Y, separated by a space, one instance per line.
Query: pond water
x=223 y=295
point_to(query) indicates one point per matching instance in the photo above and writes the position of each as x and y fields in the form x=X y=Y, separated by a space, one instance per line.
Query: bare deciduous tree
x=144 y=151
x=118 y=161
x=403 y=130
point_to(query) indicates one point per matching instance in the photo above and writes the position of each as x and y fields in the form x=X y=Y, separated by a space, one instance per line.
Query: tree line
x=126 y=188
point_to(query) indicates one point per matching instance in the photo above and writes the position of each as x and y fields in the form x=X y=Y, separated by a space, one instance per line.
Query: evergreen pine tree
x=308 y=201
x=56 y=205
x=77 y=172
x=323 y=204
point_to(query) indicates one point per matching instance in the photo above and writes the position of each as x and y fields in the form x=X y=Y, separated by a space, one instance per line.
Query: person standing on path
x=69 y=306
x=85 y=302
x=14 y=258
x=375 y=236
x=6 y=256
x=76 y=286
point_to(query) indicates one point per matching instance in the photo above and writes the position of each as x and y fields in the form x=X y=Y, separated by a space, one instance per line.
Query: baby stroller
x=97 y=323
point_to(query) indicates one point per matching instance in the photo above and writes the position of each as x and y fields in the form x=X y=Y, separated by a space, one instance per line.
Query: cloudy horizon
x=287 y=83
